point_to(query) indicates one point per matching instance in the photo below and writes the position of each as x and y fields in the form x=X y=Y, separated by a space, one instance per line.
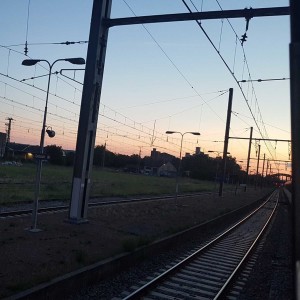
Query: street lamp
x=50 y=132
x=179 y=167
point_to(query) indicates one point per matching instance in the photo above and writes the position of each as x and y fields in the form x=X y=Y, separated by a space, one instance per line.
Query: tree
x=55 y=154
x=200 y=166
x=98 y=155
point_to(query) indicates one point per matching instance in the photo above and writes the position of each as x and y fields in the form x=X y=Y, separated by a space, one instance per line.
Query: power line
x=40 y=89
x=262 y=80
x=171 y=100
x=174 y=65
x=47 y=43
x=27 y=25
x=232 y=74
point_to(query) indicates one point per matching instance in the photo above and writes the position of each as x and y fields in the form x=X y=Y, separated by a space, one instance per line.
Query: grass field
x=17 y=183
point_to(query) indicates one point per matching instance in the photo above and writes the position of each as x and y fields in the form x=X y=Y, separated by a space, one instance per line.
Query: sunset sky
x=157 y=77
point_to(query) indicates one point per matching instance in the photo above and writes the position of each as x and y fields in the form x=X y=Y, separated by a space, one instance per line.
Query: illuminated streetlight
x=50 y=132
x=179 y=167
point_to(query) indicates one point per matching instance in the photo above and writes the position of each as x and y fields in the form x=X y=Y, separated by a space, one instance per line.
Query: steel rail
x=246 y=256
x=59 y=208
x=144 y=290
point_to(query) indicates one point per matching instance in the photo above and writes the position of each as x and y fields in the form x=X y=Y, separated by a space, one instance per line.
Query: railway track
x=60 y=208
x=211 y=271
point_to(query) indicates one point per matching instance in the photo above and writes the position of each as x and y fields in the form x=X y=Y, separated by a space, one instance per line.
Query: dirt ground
x=30 y=258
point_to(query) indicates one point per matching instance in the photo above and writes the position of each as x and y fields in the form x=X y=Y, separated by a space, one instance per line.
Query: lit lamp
x=50 y=132
x=179 y=167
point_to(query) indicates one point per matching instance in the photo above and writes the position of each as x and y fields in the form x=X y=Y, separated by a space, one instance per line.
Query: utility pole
x=267 y=168
x=248 y=159
x=223 y=164
x=103 y=156
x=89 y=110
x=8 y=129
x=257 y=166
x=263 y=169
x=295 y=126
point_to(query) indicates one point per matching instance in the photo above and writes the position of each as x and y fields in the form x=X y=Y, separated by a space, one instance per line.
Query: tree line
x=199 y=166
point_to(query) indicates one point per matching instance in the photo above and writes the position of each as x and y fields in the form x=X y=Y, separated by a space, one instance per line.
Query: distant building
x=198 y=151
x=3 y=137
x=157 y=160
x=167 y=170
x=155 y=154
x=22 y=152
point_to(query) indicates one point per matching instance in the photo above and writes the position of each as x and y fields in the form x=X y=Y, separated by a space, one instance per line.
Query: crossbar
x=247 y=13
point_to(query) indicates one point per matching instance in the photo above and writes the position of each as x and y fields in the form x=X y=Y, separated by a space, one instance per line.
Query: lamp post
x=50 y=132
x=179 y=167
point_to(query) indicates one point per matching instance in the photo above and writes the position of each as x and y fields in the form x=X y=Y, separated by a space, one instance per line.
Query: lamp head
x=170 y=132
x=195 y=133
x=50 y=132
x=30 y=62
x=76 y=60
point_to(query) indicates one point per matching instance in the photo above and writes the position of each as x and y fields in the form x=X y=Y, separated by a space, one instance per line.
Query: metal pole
x=295 y=125
x=103 y=156
x=223 y=166
x=40 y=161
x=179 y=167
x=8 y=129
x=258 y=139
x=257 y=166
x=263 y=169
x=205 y=15
x=89 y=110
x=248 y=159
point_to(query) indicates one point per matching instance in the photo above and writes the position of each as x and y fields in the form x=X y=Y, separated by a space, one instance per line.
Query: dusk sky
x=157 y=77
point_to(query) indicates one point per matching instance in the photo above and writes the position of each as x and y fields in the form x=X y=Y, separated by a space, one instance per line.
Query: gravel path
x=271 y=278
x=62 y=247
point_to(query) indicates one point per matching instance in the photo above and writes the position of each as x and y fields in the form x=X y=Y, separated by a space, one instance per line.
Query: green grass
x=18 y=183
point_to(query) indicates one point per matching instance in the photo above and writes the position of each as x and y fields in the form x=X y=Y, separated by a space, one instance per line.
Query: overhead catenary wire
x=174 y=65
x=202 y=4
x=27 y=26
x=104 y=106
x=115 y=112
x=172 y=62
x=47 y=43
x=171 y=100
x=227 y=66
x=245 y=60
